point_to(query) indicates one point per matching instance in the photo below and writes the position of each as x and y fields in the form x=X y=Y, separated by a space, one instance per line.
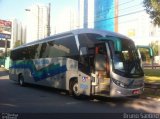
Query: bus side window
x=42 y=51
x=84 y=60
x=37 y=51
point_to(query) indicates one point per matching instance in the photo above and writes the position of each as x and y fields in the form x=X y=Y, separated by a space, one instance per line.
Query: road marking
x=10 y=105
x=72 y=103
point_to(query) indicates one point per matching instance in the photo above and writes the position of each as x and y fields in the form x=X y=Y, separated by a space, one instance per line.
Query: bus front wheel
x=75 y=90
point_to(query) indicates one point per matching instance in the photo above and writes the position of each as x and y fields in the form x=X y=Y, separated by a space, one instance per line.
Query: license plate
x=136 y=92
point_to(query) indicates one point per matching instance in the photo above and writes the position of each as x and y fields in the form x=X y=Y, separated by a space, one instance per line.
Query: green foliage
x=17 y=43
x=154 y=46
x=2 y=54
x=153 y=9
x=8 y=53
x=145 y=55
x=152 y=72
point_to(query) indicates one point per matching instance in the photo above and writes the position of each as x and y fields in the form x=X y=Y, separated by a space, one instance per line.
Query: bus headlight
x=119 y=83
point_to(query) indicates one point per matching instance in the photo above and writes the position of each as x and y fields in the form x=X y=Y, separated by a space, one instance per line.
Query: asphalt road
x=35 y=99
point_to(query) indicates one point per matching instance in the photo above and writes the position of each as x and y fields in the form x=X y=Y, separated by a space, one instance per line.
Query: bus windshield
x=126 y=61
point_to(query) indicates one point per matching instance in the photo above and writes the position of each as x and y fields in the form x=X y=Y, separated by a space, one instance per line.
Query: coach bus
x=83 y=62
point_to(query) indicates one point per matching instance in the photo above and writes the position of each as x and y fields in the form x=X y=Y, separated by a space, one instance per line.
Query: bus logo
x=84 y=79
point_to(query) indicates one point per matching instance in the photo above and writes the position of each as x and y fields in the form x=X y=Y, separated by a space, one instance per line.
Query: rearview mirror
x=150 y=50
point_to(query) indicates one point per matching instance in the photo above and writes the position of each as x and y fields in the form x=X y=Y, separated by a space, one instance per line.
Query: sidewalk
x=151 y=91
x=152 y=83
x=3 y=69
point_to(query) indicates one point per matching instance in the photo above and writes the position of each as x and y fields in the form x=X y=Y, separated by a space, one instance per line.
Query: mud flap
x=84 y=84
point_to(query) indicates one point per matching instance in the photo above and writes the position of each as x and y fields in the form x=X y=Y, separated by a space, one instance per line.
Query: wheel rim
x=75 y=89
x=21 y=82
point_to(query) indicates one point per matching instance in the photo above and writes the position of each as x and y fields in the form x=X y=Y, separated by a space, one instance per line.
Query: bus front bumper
x=117 y=91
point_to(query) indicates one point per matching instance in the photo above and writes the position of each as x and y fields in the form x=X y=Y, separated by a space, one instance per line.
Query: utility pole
x=49 y=15
x=116 y=16
x=159 y=48
x=38 y=21
x=6 y=45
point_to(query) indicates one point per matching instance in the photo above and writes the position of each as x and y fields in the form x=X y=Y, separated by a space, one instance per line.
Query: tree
x=17 y=43
x=1 y=54
x=153 y=9
x=154 y=46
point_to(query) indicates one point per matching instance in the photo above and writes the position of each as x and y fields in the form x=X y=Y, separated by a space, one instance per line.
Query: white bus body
x=84 y=62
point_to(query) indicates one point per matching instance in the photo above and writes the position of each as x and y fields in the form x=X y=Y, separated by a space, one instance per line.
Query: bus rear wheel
x=21 y=80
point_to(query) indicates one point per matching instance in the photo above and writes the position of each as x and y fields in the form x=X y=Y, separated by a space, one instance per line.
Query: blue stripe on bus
x=43 y=73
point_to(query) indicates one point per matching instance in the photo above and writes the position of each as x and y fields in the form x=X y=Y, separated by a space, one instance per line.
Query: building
x=81 y=13
x=37 y=22
x=127 y=17
x=66 y=20
x=135 y=23
x=104 y=15
x=98 y=14
x=18 y=34
x=5 y=35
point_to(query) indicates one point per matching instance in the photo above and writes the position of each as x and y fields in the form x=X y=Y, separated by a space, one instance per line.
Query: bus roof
x=73 y=32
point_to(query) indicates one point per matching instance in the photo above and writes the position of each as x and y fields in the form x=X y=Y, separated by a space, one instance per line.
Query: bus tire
x=21 y=80
x=74 y=89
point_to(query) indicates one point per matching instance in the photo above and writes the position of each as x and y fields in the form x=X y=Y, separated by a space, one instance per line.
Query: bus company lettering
x=41 y=62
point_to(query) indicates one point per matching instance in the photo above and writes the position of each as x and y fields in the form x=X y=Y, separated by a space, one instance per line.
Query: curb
x=3 y=69
x=150 y=98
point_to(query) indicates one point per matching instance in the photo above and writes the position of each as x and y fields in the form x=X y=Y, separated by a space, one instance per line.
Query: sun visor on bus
x=116 y=41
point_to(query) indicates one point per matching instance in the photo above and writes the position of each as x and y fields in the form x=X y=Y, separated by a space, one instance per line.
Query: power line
x=116 y=17
x=101 y=15
x=112 y=7
x=104 y=12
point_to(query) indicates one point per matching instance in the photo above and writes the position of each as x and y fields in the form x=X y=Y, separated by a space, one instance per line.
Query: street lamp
x=27 y=10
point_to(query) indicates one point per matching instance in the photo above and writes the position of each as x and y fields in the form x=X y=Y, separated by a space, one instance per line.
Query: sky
x=10 y=9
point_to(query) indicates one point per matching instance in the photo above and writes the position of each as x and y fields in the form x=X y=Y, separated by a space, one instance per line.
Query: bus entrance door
x=102 y=69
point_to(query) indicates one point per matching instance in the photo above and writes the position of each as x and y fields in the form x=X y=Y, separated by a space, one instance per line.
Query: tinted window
x=32 y=51
x=56 y=48
x=19 y=54
x=25 y=53
x=59 y=48
x=88 y=40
